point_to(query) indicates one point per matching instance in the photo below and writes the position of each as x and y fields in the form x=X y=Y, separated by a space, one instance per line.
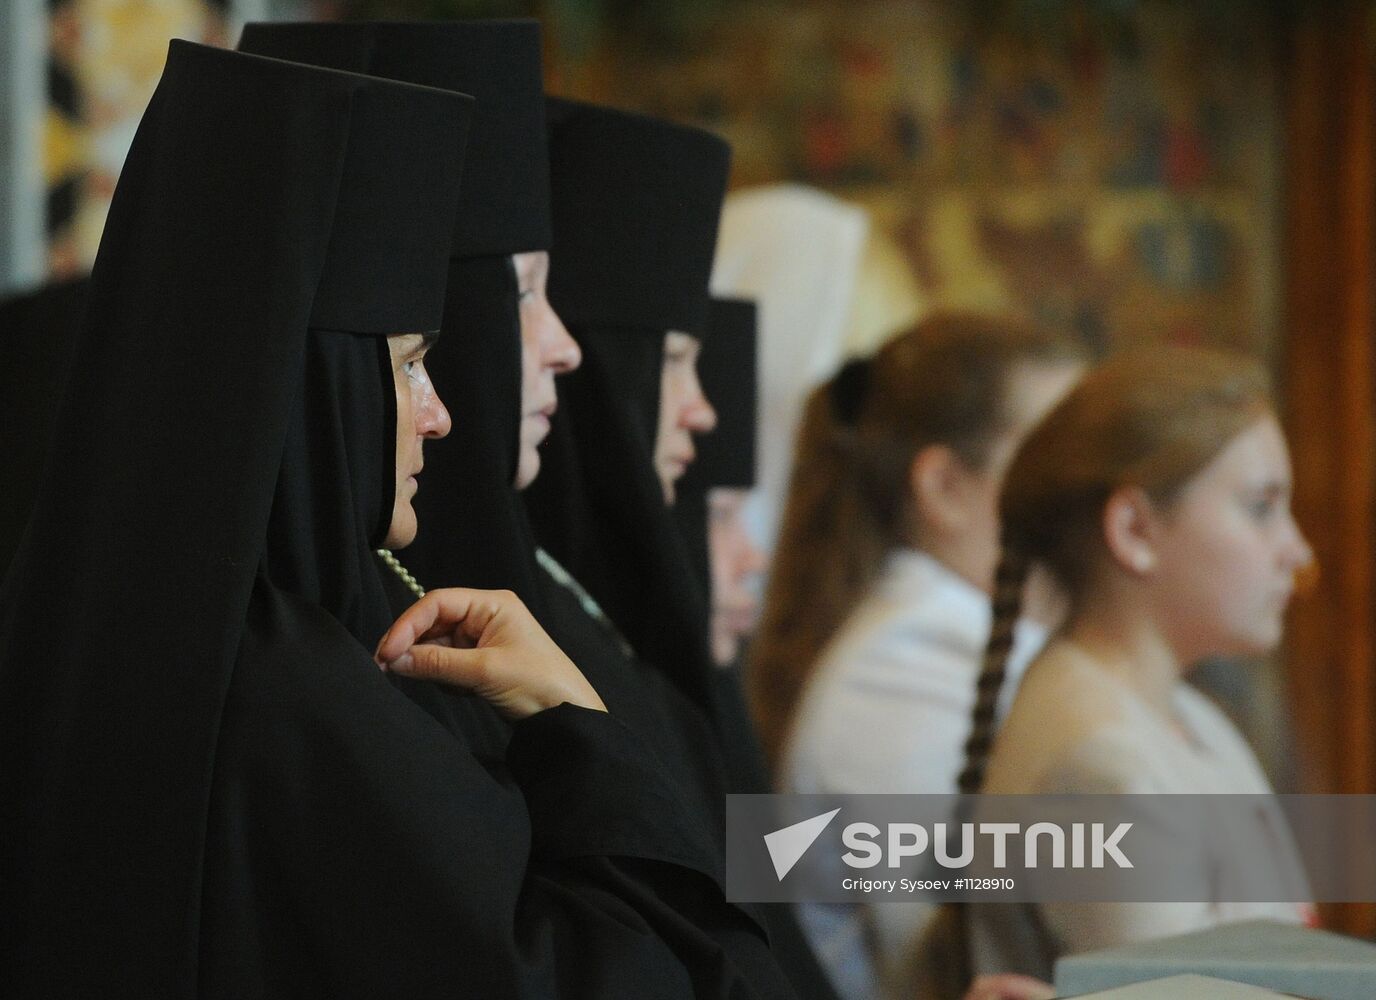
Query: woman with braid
x=878 y=606
x=1157 y=493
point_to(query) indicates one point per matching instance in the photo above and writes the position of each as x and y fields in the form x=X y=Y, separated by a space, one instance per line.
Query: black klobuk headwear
x=504 y=195
x=636 y=205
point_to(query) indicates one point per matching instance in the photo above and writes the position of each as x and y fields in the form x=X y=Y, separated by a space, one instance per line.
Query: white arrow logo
x=786 y=846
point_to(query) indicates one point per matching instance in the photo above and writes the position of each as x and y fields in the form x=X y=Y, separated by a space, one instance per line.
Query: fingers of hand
x=485 y=642
x=497 y=618
x=408 y=627
x=439 y=616
x=497 y=678
x=463 y=668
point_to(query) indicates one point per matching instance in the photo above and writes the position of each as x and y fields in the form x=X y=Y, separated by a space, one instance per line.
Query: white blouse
x=887 y=709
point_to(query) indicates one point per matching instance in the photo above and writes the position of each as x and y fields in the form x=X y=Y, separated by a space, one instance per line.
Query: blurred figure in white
x=796 y=251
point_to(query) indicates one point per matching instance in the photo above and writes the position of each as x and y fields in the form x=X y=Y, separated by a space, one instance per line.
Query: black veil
x=332 y=503
x=479 y=534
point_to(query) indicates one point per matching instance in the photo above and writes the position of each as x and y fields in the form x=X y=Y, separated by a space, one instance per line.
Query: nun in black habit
x=207 y=787
x=473 y=532
x=635 y=205
x=709 y=503
x=725 y=465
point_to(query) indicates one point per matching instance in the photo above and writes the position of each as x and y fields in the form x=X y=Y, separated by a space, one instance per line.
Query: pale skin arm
x=487 y=642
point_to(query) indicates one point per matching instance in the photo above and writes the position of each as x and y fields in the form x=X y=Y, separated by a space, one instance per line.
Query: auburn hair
x=943 y=381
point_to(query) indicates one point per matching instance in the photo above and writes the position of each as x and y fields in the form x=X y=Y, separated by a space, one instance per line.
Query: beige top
x=1076 y=727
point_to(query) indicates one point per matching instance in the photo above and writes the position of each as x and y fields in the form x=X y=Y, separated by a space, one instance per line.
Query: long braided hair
x=944 y=381
x=1150 y=418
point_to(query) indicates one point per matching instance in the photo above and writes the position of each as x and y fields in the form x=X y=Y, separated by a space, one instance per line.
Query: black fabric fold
x=727 y=369
x=419 y=865
x=38 y=332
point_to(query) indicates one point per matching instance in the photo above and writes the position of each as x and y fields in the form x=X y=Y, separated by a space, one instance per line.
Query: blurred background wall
x=1108 y=165
x=1128 y=170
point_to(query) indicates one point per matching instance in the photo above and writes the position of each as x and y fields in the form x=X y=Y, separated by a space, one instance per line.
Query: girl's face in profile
x=420 y=415
x=1227 y=549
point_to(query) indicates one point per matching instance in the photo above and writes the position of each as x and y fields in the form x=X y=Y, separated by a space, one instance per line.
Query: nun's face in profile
x=420 y=415
x=547 y=350
x=683 y=410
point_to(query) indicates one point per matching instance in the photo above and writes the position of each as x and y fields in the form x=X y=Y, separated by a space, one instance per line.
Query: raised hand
x=487 y=642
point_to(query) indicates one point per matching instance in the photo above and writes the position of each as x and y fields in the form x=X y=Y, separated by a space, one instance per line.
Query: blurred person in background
x=796 y=252
x=878 y=605
x=1158 y=495
x=711 y=496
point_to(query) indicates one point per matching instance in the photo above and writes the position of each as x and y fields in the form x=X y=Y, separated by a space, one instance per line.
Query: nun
x=473 y=531
x=798 y=252
x=712 y=493
x=635 y=208
x=207 y=786
x=635 y=204
x=503 y=341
